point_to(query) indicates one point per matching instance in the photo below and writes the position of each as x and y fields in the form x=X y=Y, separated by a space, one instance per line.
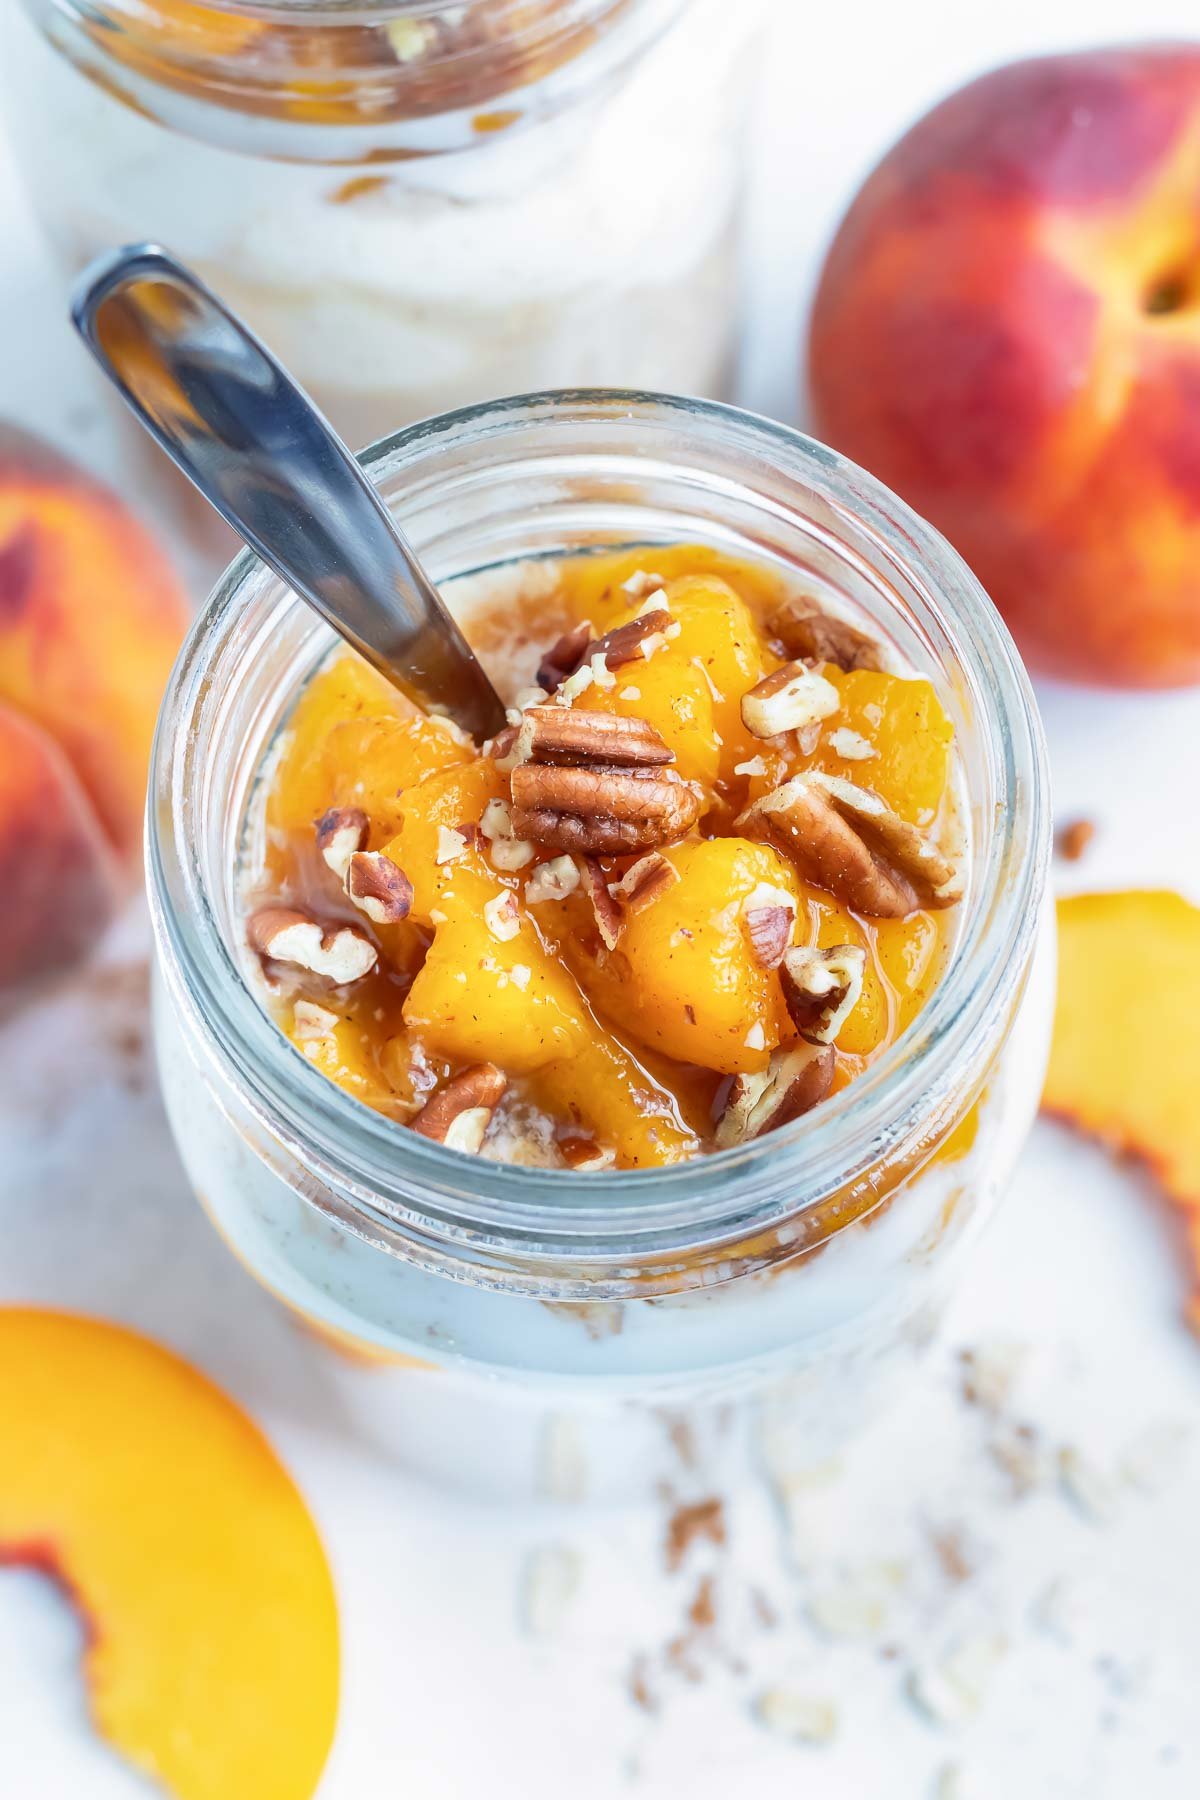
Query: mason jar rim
x=385 y=1172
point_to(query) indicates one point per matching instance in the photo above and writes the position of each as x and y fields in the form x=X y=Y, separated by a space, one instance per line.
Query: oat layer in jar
x=417 y=204
x=768 y=1296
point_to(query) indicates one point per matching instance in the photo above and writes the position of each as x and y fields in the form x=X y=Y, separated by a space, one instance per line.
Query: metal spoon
x=254 y=444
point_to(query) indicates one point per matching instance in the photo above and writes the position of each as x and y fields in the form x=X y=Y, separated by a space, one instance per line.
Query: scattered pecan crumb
x=951 y=1555
x=702 y=1613
x=692 y=1522
x=640 y=1691
x=1075 y=839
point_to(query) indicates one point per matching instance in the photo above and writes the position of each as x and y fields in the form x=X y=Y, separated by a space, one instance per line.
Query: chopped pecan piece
x=340 y=832
x=459 y=1114
x=558 y=734
x=646 y=880
x=821 y=988
x=624 y=643
x=845 y=839
x=310 y=1021
x=563 y=658
x=379 y=887
x=811 y=635
x=769 y=929
x=502 y=916
x=503 y=748
x=602 y=811
x=338 y=953
x=641 y=584
x=584 y=1155
x=552 y=880
x=609 y=919
x=797 y=1078
x=789 y=699
x=507 y=851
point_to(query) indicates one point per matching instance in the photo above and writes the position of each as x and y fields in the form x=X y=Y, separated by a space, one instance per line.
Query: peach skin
x=1007 y=332
x=59 y=876
x=212 y=1654
x=91 y=616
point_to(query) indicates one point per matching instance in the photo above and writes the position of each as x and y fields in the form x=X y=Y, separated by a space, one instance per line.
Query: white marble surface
x=445 y=1695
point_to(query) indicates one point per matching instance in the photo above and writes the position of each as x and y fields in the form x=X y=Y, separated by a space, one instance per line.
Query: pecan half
x=797 y=1078
x=459 y=1114
x=789 y=699
x=603 y=811
x=845 y=839
x=811 y=635
x=558 y=734
x=623 y=644
x=338 y=953
x=563 y=658
x=379 y=887
x=646 y=880
x=821 y=988
x=609 y=919
x=340 y=832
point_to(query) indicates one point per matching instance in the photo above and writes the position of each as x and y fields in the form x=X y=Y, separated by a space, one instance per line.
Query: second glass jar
x=418 y=205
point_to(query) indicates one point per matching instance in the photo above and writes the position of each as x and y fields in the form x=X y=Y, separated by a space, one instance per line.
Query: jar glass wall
x=787 y=1286
x=416 y=204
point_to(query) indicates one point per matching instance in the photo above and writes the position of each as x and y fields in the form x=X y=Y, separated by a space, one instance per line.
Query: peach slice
x=1126 y=1056
x=163 y=1511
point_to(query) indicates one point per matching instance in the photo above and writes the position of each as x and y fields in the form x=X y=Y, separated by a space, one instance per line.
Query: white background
x=445 y=1696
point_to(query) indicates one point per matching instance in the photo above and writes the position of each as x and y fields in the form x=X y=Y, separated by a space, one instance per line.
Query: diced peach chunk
x=354 y=740
x=674 y=696
x=684 y=979
x=900 y=720
x=480 y=998
x=444 y=864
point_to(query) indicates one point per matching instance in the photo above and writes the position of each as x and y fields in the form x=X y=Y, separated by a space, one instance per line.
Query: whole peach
x=91 y=615
x=1007 y=332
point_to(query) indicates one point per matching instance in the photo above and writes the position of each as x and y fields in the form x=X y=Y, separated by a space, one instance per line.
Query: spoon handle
x=254 y=444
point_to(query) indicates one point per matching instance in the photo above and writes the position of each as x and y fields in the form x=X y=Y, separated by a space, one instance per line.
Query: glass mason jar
x=773 y=1295
x=417 y=204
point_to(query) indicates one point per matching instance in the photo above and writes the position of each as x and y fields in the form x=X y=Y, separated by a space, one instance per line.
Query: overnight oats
x=414 y=204
x=657 y=1059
